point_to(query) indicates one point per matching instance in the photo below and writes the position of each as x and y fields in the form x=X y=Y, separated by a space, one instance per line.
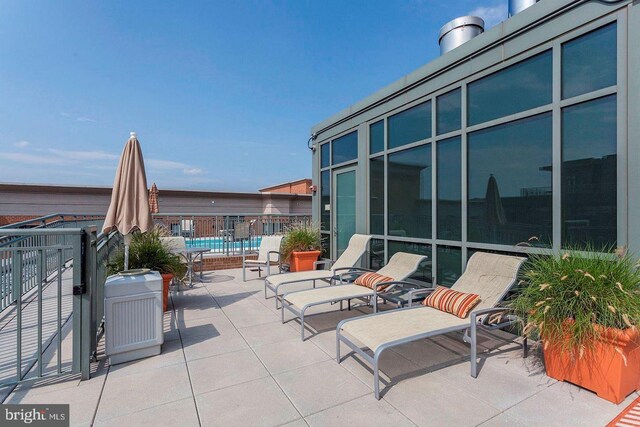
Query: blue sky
x=222 y=94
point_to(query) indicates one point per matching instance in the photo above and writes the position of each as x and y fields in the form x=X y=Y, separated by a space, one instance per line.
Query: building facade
x=300 y=186
x=524 y=139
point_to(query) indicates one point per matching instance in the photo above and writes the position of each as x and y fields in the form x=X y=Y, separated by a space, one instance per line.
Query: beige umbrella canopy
x=153 y=199
x=129 y=208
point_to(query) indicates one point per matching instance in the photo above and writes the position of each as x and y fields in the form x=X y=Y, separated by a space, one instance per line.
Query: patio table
x=191 y=254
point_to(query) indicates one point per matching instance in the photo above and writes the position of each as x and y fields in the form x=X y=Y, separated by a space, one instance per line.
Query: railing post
x=77 y=241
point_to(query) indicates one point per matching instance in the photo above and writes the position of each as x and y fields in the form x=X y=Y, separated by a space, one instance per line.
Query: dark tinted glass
x=325 y=200
x=326 y=245
x=409 y=192
x=324 y=155
x=376 y=254
x=376 y=195
x=376 y=137
x=410 y=125
x=520 y=87
x=510 y=182
x=449 y=189
x=589 y=173
x=344 y=148
x=449 y=265
x=448 y=112
x=589 y=62
x=423 y=274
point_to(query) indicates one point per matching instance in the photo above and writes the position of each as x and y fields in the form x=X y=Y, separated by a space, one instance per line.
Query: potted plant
x=301 y=247
x=584 y=307
x=148 y=251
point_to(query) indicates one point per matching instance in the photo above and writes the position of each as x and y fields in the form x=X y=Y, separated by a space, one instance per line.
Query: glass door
x=344 y=212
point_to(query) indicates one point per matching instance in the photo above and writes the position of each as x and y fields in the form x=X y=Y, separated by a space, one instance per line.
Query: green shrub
x=566 y=296
x=301 y=238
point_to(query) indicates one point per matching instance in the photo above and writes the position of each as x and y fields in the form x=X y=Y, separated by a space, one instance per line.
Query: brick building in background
x=300 y=186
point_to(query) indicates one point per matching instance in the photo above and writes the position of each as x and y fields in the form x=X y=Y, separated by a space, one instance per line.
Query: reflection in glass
x=423 y=274
x=448 y=112
x=520 y=87
x=589 y=62
x=409 y=192
x=326 y=245
x=324 y=155
x=589 y=202
x=376 y=195
x=376 y=254
x=449 y=189
x=376 y=137
x=325 y=200
x=344 y=148
x=345 y=207
x=410 y=125
x=449 y=265
x=509 y=182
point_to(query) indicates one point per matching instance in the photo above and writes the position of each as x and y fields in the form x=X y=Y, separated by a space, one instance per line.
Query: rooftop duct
x=459 y=31
x=517 y=6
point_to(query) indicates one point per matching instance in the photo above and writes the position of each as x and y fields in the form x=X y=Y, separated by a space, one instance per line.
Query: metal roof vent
x=517 y=6
x=459 y=31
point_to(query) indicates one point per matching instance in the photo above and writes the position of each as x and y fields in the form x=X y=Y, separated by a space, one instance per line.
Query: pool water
x=218 y=244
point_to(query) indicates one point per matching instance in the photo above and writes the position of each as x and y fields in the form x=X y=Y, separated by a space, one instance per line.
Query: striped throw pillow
x=370 y=280
x=450 y=301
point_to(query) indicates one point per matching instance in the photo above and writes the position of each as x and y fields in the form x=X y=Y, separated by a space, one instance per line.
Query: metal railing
x=217 y=232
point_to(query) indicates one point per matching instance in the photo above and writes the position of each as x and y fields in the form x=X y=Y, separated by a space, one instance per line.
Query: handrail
x=40 y=221
x=228 y=214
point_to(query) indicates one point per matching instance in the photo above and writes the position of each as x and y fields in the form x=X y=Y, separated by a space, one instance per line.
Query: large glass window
x=376 y=137
x=449 y=189
x=325 y=161
x=376 y=195
x=589 y=173
x=325 y=200
x=410 y=125
x=449 y=265
x=409 y=192
x=448 y=112
x=520 y=87
x=509 y=182
x=376 y=254
x=423 y=273
x=344 y=148
x=589 y=62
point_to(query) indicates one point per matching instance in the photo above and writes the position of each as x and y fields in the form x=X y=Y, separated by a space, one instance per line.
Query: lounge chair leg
x=341 y=306
x=525 y=348
x=244 y=273
x=376 y=377
x=282 y=313
x=474 y=350
x=349 y=304
x=276 y=296
x=314 y=284
x=338 y=345
x=265 y=288
x=302 y=326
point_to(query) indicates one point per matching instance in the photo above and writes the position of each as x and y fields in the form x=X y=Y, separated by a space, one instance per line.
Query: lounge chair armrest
x=325 y=262
x=415 y=292
x=479 y=313
x=352 y=273
x=274 y=252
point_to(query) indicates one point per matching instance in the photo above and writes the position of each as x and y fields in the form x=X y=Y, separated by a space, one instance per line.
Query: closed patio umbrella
x=153 y=199
x=129 y=207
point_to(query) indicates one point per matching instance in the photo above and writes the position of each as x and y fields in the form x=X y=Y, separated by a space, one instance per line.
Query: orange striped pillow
x=370 y=280
x=450 y=301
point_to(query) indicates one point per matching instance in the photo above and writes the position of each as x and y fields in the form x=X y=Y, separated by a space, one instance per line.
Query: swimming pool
x=218 y=244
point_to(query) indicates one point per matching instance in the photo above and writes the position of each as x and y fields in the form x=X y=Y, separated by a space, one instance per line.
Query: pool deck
x=228 y=360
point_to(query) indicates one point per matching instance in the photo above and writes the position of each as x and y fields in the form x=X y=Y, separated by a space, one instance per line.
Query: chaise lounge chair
x=400 y=266
x=268 y=252
x=488 y=275
x=347 y=261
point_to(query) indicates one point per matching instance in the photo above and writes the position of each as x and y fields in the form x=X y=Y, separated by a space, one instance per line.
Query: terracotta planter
x=303 y=261
x=166 y=281
x=602 y=369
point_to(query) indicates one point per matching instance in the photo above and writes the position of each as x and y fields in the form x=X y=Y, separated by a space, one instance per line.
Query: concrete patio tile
x=205 y=328
x=197 y=312
x=297 y=423
x=567 y=405
x=256 y=403
x=286 y=355
x=82 y=398
x=267 y=333
x=198 y=347
x=363 y=410
x=227 y=300
x=503 y=420
x=132 y=393
x=431 y=400
x=179 y=413
x=249 y=313
x=322 y=385
x=171 y=355
x=225 y=370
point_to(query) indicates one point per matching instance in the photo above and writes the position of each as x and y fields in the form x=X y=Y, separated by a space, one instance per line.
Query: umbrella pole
x=127 y=243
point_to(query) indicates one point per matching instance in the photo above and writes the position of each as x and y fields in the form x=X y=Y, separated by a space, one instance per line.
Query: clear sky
x=222 y=93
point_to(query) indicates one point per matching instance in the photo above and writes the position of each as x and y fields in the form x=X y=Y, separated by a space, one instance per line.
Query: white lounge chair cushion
x=299 y=276
x=327 y=293
x=255 y=261
x=386 y=327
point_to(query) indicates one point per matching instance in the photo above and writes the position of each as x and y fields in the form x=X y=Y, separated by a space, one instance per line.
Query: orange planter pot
x=611 y=374
x=166 y=281
x=303 y=261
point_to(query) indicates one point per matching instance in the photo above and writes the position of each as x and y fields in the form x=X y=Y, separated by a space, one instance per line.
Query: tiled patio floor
x=227 y=360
